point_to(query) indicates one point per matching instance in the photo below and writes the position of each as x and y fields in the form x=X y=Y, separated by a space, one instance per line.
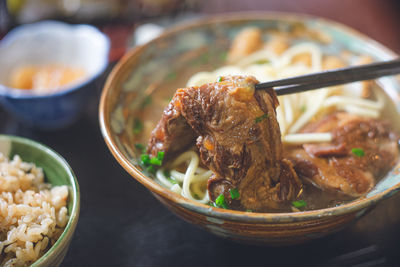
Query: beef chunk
x=238 y=138
x=334 y=166
x=172 y=134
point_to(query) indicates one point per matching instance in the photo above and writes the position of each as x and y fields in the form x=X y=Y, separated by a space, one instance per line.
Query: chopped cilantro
x=234 y=193
x=259 y=119
x=303 y=108
x=219 y=79
x=249 y=210
x=220 y=202
x=359 y=152
x=137 y=126
x=299 y=204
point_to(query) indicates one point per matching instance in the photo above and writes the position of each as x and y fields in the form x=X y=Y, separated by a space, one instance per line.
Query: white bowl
x=51 y=42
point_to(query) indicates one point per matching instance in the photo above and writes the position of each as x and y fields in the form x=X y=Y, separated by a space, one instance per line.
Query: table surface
x=122 y=224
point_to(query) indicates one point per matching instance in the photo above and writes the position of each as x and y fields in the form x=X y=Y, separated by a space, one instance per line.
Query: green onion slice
x=220 y=202
x=299 y=204
x=359 y=152
x=160 y=155
x=151 y=169
x=145 y=159
x=155 y=161
x=234 y=193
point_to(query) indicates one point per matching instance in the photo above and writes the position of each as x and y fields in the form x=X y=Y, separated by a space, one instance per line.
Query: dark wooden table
x=122 y=224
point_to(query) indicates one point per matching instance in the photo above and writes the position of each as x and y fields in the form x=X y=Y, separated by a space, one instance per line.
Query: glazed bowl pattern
x=57 y=172
x=202 y=45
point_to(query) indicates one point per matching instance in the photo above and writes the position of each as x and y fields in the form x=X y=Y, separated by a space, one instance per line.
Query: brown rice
x=32 y=213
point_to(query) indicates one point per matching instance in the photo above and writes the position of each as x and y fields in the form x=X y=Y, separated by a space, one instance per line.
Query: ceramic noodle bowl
x=157 y=68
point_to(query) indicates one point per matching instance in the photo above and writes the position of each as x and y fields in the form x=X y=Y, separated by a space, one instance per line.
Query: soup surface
x=316 y=127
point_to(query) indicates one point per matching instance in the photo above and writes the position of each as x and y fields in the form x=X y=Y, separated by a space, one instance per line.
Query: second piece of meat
x=362 y=150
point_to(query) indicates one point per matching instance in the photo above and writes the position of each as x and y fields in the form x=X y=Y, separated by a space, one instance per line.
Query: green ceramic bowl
x=149 y=70
x=57 y=172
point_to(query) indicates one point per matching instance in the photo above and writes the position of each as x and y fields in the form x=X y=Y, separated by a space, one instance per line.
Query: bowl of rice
x=39 y=204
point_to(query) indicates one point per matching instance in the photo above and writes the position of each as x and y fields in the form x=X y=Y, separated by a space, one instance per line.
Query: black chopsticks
x=332 y=77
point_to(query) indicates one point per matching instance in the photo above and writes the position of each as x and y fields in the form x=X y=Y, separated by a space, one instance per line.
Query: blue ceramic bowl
x=52 y=42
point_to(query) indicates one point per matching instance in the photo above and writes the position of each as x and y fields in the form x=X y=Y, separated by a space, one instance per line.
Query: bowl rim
x=357 y=205
x=74 y=215
x=13 y=35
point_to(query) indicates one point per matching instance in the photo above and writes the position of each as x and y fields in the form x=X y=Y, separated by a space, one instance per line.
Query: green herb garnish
x=171 y=76
x=249 y=210
x=172 y=181
x=234 y=193
x=219 y=79
x=140 y=147
x=167 y=175
x=145 y=159
x=263 y=117
x=151 y=169
x=146 y=101
x=155 y=161
x=220 y=202
x=303 y=108
x=262 y=61
x=359 y=152
x=151 y=162
x=299 y=204
x=137 y=126
x=160 y=155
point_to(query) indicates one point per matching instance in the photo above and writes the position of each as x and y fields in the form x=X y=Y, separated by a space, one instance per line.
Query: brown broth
x=315 y=197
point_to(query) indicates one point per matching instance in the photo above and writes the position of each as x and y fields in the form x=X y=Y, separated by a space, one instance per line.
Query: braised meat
x=362 y=150
x=236 y=132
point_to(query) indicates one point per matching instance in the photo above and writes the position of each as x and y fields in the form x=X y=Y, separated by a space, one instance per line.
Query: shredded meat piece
x=334 y=166
x=238 y=138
